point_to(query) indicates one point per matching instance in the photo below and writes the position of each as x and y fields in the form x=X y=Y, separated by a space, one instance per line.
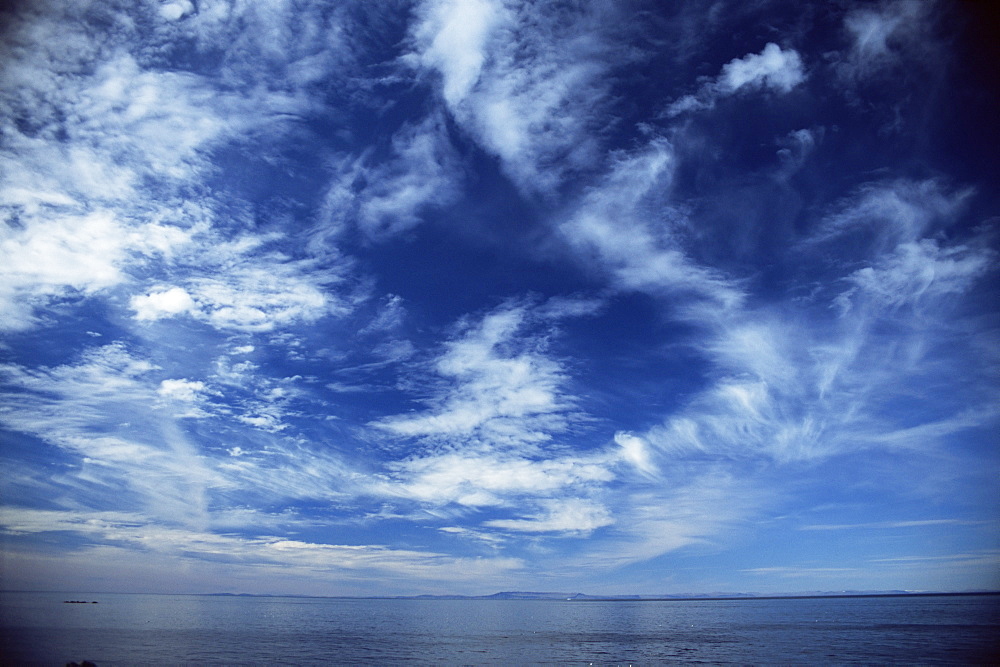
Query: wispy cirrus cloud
x=482 y=479
x=493 y=436
x=105 y=411
x=391 y=196
x=917 y=273
x=501 y=387
x=796 y=572
x=878 y=525
x=627 y=224
x=677 y=511
x=564 y=516
x=452 y=38
x=134 y=537
x=50 y=257
x=123 y=422
x=774 y=69
x=523 y=79
x=881 y=36
x=797 y=391
x=880 y=215
x=102 y=147
x=240 y=287
x=955 y=559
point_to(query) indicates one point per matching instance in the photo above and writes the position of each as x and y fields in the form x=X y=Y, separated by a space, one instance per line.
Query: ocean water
x=39 y=628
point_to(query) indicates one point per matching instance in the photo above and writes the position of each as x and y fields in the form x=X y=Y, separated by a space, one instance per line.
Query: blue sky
x=465 y=296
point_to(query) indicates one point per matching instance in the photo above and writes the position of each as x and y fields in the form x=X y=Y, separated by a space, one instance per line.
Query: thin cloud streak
x=894 y=524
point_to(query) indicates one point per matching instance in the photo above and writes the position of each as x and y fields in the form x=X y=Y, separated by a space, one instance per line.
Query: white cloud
x=652 y=521
x=833 y=573
x=109 y=153
x=136 y=536
x=121 y=124
x=794 y=386
x=389 y=317
x=501 y=387
x=393 y=195
x=524 y=80
x=574 y=516
x=188 y=391
x=452 y=37
x=893 y=227
x=492 y=433
x=262 y=297
x=163 y=303
x=104 y=411
x=635 y=450
x=117 y=419
x=747 y=419
x=891 y=213
x=870 y=30
x=276 y=468
x=791 y=387
x=773 y=68
x=484 y=479
x=265 y=422
x=880 y=35
x=881 y=525
x=101 y=148
x=423 y=174
x=253 y=398
x=176 y=10
x=393 y=351
x=918 y=271
x=624 y=223
x=282 y=51
x=103 y=371
x=759 y=347
x=66 y=254
x=789 y=391
x=238 y=286
x=796 y=147
x=985 y=557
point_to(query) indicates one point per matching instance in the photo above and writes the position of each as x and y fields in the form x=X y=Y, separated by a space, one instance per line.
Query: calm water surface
x=171 y=629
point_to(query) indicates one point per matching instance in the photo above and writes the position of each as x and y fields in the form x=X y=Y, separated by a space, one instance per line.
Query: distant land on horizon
x=547 y=595
x=570 y=597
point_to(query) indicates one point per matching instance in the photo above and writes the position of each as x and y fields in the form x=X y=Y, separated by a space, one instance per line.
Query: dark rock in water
x=85 y=663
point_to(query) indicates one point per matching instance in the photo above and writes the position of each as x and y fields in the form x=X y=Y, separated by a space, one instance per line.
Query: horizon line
x=554 y=596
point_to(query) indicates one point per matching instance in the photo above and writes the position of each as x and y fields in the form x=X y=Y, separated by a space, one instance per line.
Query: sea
x=125 y=629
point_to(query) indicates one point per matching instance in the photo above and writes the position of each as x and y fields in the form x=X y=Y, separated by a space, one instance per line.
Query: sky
x=465 y=296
